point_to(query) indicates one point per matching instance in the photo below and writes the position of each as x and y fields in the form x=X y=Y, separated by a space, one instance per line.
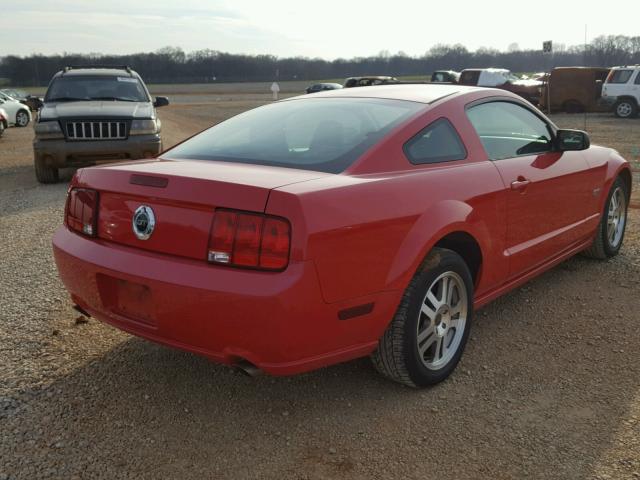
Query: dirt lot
x=549 y=386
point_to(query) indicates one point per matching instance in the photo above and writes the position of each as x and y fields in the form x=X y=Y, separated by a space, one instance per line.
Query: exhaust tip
x=247 y=368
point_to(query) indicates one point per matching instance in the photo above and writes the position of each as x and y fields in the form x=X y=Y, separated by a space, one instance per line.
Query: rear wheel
x=613 y=222
x=425 y=340
x=22 y=118
x=45 y=173
x=625 y=108
x=573 y=106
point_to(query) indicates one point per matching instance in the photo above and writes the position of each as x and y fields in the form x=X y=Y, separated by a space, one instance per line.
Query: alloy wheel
x=441 y=321
x=616 y=217
x=624 y=109
x=22 y=119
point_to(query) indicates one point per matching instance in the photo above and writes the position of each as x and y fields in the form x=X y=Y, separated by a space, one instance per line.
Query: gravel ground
x=549 y=386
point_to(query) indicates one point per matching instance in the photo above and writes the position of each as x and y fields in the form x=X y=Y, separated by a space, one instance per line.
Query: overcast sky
x=325 y=28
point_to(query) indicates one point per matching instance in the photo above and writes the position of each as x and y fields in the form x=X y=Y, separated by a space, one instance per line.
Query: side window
x=620 y=76
x=637 y=82
x=438 y=142
x=509 y=130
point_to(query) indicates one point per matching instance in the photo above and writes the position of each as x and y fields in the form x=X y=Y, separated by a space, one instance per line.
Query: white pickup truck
x=621 y=91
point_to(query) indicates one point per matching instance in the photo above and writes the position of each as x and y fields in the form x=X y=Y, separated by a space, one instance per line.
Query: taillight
x=249 y=240
x=81 y=212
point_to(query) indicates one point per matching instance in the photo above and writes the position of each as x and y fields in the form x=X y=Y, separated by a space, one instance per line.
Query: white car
x=621 y=90
x=18 y=113
x=3 y=121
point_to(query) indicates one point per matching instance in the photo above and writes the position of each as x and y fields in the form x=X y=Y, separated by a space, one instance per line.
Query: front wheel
x=22 y=118
x=613 y=222
x=424 y=342
x=44 y=172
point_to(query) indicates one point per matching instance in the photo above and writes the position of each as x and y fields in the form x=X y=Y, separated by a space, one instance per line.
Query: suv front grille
x=96 y=130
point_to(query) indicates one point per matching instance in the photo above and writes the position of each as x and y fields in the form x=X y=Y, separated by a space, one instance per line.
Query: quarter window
x=438 y=142
x=509 y=130
x=620 y=76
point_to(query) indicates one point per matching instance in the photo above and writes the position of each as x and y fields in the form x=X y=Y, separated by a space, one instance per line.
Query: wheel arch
x=450 y=225
x=465 y=245
x=573 y=105
x=625 y=174
x=630 y=98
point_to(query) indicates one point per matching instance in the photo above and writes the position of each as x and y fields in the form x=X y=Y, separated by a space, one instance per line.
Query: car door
x=549 y=193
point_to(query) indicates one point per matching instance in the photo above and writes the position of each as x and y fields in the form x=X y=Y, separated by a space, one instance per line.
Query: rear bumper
x=277 y=321
x=61 y=153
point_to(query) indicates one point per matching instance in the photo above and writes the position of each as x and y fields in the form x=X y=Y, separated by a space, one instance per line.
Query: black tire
x=397 y=356
x=602 y=248
x=625 y=108
x=24 y=114
x=573 y=106
x=45 y=173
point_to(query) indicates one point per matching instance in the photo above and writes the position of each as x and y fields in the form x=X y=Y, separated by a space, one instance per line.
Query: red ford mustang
x=354 y=222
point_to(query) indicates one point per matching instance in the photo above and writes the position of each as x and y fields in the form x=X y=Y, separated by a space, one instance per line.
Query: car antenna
x=585 y=55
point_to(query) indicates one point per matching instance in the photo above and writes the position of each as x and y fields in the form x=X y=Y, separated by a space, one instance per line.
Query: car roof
x=422 y=93
x=625 y=67
x=583 y=68
x=96 y=72
x=370 y=76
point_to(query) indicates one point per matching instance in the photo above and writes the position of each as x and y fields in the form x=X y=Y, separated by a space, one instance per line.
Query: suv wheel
x=22 y=118
x=626 y=108
x=45 y=173
x=424 y=342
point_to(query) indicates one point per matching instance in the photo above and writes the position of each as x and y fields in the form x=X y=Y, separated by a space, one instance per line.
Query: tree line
x=173 y=65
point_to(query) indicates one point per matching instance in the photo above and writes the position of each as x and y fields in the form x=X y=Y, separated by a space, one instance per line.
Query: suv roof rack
x=114 y=67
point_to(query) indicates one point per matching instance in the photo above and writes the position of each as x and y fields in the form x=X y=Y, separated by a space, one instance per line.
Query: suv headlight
x=48 y=130
x=145 y=127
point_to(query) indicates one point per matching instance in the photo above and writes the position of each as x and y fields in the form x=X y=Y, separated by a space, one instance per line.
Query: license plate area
x=127 y=299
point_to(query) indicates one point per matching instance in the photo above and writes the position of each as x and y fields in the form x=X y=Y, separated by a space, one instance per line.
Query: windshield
x=321 y=134
x=76 y=88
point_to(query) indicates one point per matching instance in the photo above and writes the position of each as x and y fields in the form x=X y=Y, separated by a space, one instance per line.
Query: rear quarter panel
x=368 y=230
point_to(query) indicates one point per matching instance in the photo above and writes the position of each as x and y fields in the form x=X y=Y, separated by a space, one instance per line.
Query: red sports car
x=347 y=223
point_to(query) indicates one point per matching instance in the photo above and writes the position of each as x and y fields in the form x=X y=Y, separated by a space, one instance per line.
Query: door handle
x=520 y=184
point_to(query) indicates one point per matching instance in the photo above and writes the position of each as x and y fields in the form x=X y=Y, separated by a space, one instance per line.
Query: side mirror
x=161 y=102
x=567 y=140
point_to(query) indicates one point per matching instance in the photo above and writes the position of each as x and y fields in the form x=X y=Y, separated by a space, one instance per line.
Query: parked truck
x=573 y=89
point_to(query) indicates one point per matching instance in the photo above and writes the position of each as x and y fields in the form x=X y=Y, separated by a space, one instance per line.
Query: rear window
x=100 y=87
x=620 y=76
x=321 y=134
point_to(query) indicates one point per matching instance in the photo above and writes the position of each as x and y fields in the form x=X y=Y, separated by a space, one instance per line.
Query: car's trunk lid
x=183 y=196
